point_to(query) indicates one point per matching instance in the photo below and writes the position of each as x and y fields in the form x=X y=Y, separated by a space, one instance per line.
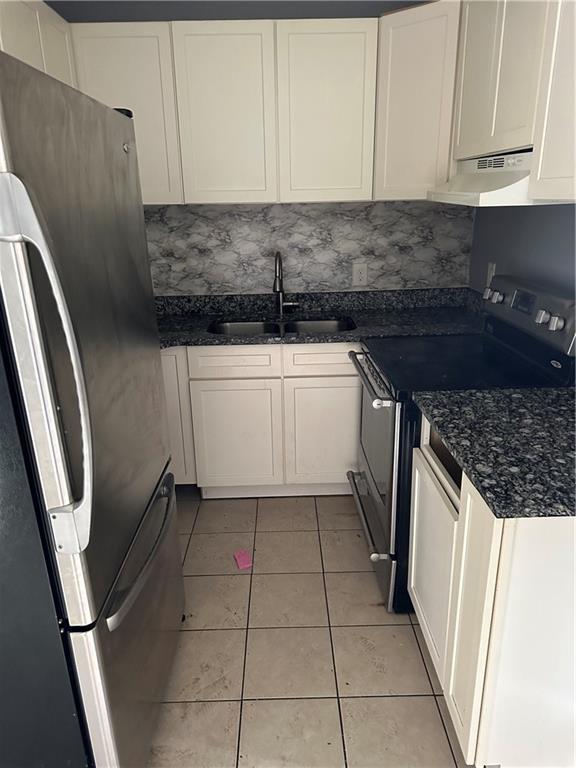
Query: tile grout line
x=291 y=626
x=189 y=534
x=331 y=639
x=281 y=530
x=246 y=639
x=197 y=512
x=445 y=730
x=433 y=692
x=305 y=698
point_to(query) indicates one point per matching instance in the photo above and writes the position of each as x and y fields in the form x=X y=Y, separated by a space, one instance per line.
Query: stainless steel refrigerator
x=91 y=590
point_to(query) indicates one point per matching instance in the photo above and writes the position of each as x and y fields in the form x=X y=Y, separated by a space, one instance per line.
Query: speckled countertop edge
x=192 y=330
x=516 y=446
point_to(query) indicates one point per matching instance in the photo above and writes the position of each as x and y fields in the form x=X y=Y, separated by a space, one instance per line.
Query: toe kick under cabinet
x=273 y=419
x=484 y=590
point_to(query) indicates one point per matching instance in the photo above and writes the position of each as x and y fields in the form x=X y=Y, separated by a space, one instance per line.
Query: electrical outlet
x=359 y=273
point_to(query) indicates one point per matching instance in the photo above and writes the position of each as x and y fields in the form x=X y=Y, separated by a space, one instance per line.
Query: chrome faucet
x=278 y=286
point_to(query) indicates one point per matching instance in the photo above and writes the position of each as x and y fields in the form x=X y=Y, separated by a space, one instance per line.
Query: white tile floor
x=297 y=664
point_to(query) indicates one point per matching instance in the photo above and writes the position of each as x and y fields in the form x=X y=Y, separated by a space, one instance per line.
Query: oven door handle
x=377 y=400
x=375 y=556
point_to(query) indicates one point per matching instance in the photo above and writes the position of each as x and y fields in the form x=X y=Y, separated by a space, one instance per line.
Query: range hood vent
x=485 y=181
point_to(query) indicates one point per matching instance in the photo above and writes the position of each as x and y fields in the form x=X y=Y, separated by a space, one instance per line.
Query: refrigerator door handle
x=115 y=619
x=19 y=224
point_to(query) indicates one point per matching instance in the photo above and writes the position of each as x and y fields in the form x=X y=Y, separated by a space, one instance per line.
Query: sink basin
x=333 y=325
x=245 y=328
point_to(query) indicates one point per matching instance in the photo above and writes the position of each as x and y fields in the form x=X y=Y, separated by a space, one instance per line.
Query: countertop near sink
x=184 y=321
x=516 y=446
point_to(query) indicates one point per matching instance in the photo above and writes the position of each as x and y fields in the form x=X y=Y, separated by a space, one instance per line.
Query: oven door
x=374 y=486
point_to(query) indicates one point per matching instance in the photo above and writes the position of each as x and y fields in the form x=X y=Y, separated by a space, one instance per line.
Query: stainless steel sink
x=245 y=328
x=271 y=328
x=332 y=325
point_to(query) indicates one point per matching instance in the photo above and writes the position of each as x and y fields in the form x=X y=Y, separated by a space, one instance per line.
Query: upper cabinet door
x=19 y=33
x=501 y=56
x=326 y=101
x=227 y=110
x=552 y=176
x=56 y=42
x=130 y=65
x=414 y=100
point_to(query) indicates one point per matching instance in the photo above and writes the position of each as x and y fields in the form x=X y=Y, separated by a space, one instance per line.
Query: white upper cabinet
x=554 y=162
x=227 y=110
x=130 y=65
x=19 y=32
x=37 y=35
x=416 y=71
x=56 y=41
x=500 y=61
x=326 y=101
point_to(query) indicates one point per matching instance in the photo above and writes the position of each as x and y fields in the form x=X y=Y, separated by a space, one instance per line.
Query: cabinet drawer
x=318 y=359
x=255 y=361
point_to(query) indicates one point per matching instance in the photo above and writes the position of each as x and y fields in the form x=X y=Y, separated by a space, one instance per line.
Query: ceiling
x=178 y=10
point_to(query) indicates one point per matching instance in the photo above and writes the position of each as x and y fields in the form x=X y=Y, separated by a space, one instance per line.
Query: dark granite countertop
x=516 y=446
x=184 y=320
x=192 y=330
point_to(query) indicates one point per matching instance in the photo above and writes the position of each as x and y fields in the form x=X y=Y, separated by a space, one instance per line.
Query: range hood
x=485 y=181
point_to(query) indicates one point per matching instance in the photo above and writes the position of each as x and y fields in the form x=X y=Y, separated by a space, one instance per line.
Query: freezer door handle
x=129 y=596
x=19 y=223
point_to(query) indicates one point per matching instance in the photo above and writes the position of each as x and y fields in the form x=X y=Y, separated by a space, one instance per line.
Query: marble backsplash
x=228 y=249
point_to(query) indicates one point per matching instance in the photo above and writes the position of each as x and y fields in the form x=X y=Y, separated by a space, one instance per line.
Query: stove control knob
x=497 y=297
x=556 y=323
x=487 y=295
x=542 y=317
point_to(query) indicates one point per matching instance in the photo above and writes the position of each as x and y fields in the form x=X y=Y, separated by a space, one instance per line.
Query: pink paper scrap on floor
x=243 y=559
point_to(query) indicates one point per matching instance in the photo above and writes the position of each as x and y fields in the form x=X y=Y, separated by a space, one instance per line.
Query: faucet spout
x=278 y=286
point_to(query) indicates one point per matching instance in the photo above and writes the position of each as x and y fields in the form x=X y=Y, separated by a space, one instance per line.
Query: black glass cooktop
x=472 y=361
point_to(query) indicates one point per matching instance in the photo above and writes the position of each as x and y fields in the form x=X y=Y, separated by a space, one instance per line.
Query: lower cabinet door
x=238 y=432
x=175 y=371
x=473 y=591
x=433 y=526
x=322 y=428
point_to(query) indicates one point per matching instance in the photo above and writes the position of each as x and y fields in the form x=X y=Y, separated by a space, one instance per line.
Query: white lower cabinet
x=238 y=431
x=175 y=372
x=484 y=589
x=321 y=428
x=433 y=528
x=472 y=599
x=274 y=419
